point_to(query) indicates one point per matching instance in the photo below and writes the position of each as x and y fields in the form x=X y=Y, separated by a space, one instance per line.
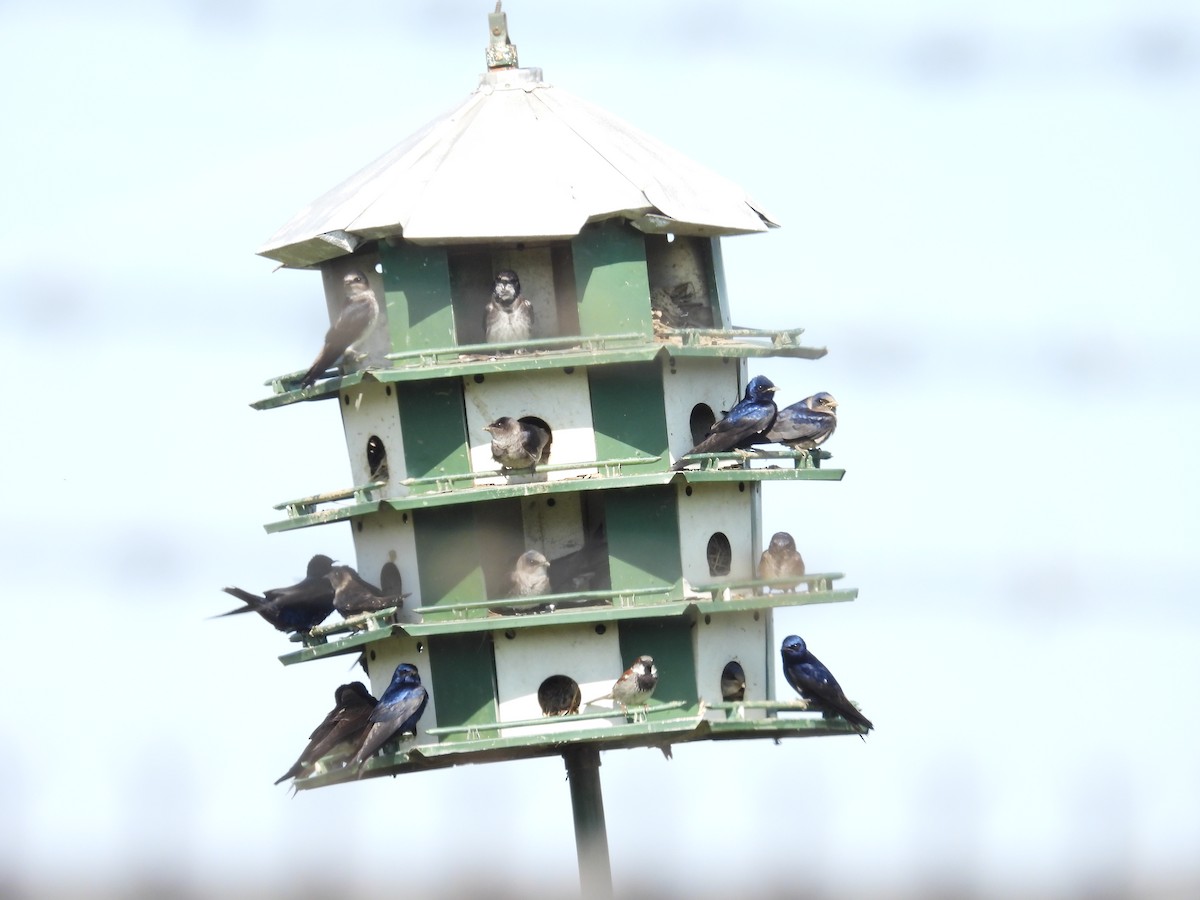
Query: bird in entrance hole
x=517 y=443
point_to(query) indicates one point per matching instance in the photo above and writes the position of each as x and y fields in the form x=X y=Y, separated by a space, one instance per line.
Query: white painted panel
x=388 y=536
x=388 y=655
x=553 y=525
x=561 y=400
x=733 y=637
x=714 y=382
x=371 y=409
x=716 y=507
x=530 y=656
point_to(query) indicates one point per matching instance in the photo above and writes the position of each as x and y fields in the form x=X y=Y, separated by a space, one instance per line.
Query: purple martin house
x=615 y=239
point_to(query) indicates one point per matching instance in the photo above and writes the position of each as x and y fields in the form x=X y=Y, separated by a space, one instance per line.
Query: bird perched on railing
x=750 y=418
x=816 y=684
x=398 y=711
x=298 y=607
x=781 y=559
x=354 y=594
x=353 y=324
x=508 y=315
x=806 y=424
x=341 y=729
x=518 y=444
x=635 y=685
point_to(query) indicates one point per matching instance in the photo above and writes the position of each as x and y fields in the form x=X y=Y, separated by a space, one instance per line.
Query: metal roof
x=519 y=159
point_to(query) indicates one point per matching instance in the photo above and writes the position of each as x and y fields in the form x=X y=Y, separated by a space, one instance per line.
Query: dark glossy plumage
x=805 y=425
x=816 y=684
x=508 y=316
x=354 y=322
x=341 y=729
x=298 y=607
x=397 y=712
x=517 y=444
x=781 y=559
x=353 y=594
x=749 y=419
x=733 y=682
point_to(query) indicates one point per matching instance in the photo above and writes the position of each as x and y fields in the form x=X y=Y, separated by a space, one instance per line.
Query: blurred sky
x=990 y=218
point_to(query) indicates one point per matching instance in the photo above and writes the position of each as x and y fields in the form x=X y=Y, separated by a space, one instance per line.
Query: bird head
x=319 y=565
x=507 y=287
x=781 y=540
x=793 y=647
x=355 y=280
x=760 y=388
x=644 y=665
x=406 y=672
x=501 y=425
x=822 y=402
x=532 y=559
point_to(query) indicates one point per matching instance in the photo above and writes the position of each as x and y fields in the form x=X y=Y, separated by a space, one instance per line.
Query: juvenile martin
x=299 y=607
x=353 y=594
x=508 y=316
x=816 y=684
x=341 y=729
x=517 y=444
x=781 y=559
x=807 y=424
x=749 y=419
x=354 y=323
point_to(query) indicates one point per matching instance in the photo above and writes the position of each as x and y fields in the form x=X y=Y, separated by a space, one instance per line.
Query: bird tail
x=854 y=717
x=253 y=604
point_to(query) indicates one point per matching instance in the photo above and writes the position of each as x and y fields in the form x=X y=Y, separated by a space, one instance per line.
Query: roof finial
x=501 y=52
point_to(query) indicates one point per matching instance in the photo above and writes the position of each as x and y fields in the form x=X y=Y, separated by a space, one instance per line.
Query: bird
x=749 y=419
x=781 y=559
x=531 y=576
x=354 y=322
x=518 y=444
x=816 y=684
x=806 y=424
x=342 y=726
x=398 y=710
x=733 y=682
x=559 y=696
x=635 y=685
x=353 y=594
x=508 y=315
x=299 y=607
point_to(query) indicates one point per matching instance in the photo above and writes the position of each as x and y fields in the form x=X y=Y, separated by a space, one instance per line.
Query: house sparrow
x=635 y=685
x=816 y=684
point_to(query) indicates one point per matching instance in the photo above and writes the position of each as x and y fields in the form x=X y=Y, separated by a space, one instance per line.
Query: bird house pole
x=587 y=807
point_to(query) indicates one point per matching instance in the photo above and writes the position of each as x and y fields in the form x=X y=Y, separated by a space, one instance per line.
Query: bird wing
x=389 y=716
x=351 y=323
x=795 y=424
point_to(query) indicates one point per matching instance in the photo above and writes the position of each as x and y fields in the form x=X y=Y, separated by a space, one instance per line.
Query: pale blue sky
x=990 y=217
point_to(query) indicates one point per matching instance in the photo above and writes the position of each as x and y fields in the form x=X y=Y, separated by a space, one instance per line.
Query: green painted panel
x=433 y=423
x=463 y=679
x=450 y=571
x=643 y=538
x=669 y=641
x=611 y=280
x=628 y=411
x=416 y=283
x=716 y=278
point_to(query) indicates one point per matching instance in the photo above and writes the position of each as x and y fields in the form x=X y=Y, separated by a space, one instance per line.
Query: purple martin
x=397 y=712
x=559 y=696
x=354 y=323
x=341 y=729
x=300 y=607
x=353 y=594
x=530 y=577
x=635 y=685
x=805 y=425
x=781 y=559
x=518 y=444
x=733 y=682
x=749 y=419
x=816 y=684
x=508 y=316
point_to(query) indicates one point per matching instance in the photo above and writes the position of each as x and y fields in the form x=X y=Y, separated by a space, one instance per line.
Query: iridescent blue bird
x=298 y=607
x=750 y=419
x=816 y=684
x=806 y=424
x=396 y=712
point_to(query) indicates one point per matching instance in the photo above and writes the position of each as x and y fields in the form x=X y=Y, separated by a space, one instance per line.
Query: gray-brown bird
x=518 y=444
x=781 y=559
x=354 y=594
x=531 y=576
x=733 y=682
x=339 y=732
x=354 y=322
x=806 y=424
x=559 y=696
x=508 y=315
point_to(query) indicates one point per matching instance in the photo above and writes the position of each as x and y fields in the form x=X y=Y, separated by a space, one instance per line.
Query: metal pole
x=587 y=806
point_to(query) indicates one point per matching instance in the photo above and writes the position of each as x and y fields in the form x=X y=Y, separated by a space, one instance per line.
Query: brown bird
x=354 y=322
x=340 y=731
x=781 y=559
